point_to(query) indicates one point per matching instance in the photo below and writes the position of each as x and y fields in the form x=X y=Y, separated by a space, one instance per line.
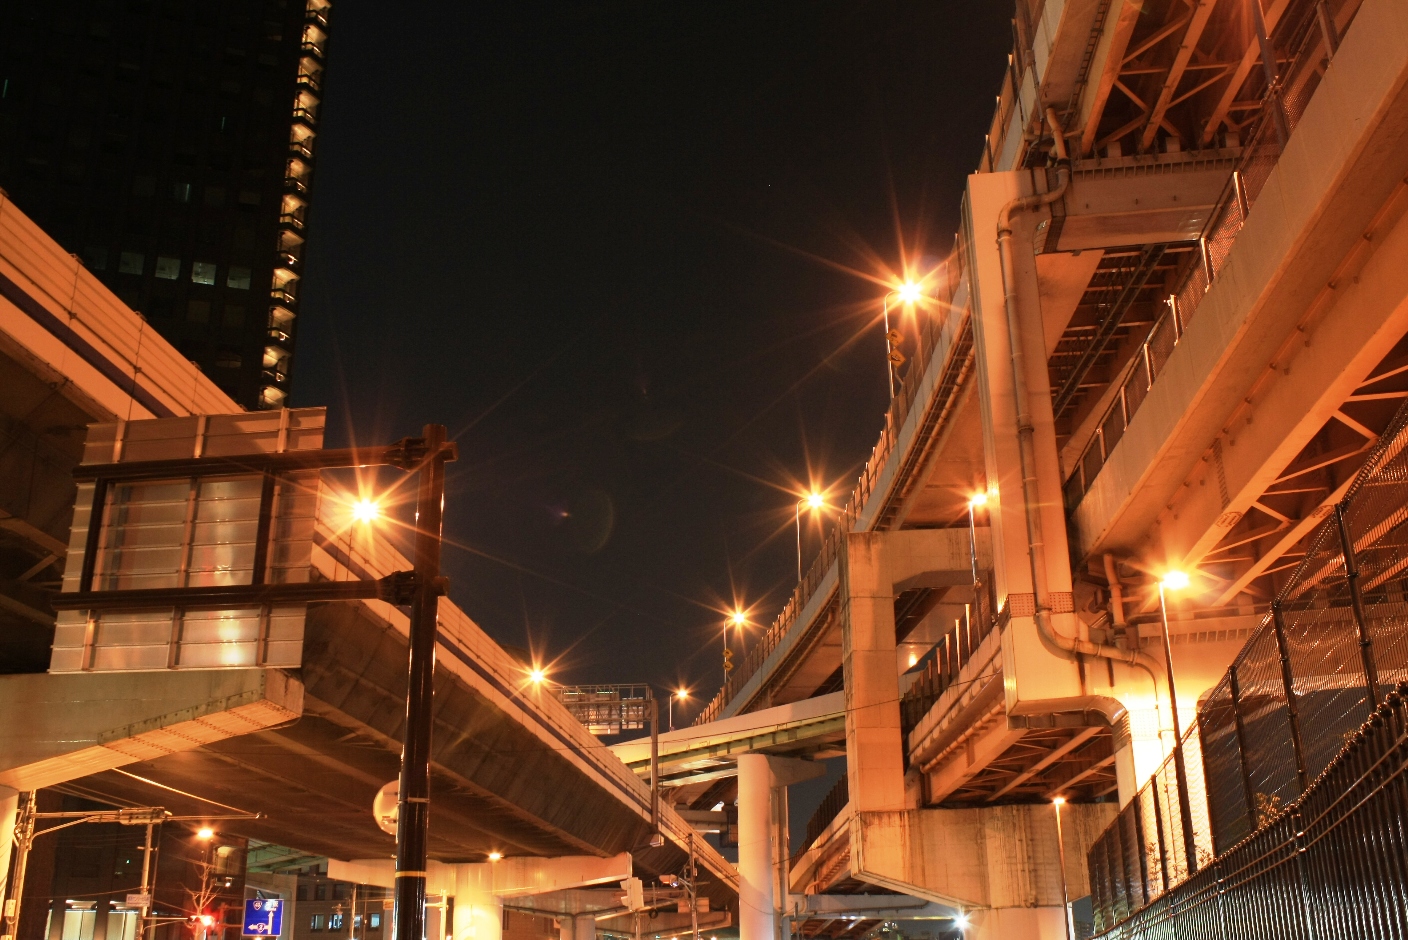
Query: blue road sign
x=263 y=917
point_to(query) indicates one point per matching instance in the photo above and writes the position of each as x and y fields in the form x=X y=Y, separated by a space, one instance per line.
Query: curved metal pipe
x=1026 y=433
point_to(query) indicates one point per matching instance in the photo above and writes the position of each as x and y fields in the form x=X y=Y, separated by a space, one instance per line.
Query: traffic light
x=728 y=661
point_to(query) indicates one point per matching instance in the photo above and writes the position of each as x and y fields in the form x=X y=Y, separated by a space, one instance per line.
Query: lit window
x=239 y=278
x=203 y=272
x=198 y=311
x=131 y=262
x=319 y=922
x=168 y=269
x=335 y=922
x=375 y=921
x=181 y=192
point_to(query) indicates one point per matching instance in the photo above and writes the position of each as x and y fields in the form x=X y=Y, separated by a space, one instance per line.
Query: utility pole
x=26 y=832
x=413 y=811
x=24 y=838
x=693 y=898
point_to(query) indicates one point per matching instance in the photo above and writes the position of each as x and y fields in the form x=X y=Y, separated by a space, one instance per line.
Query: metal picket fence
x=1335 y=639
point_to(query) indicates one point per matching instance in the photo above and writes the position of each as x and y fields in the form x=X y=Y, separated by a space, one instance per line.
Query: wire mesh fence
x=1269 y=735
x=1331 y=864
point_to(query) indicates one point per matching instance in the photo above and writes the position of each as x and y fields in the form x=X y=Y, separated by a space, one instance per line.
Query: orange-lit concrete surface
x=303 y=731
x=1170 y=353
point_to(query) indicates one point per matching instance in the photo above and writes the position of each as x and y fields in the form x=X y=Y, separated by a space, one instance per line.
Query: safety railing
x=1330 y=864
x=951 y=281
x=1283 y=106
x=946 y=660
x=830 y=808
x=1336 y=636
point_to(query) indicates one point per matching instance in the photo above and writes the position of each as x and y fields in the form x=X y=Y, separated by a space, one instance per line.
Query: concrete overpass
x=294 y=718
x=1169 y=351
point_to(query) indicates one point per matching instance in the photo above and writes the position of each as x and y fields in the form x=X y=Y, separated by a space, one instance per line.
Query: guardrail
x=951 y=281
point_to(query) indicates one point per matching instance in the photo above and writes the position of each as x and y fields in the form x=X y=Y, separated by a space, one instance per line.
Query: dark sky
x=623 y=251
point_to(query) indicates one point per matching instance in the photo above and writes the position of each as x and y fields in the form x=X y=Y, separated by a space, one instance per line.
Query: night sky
x=631 y=255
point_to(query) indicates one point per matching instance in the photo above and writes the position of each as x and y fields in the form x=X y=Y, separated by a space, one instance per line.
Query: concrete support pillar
x=1034 y=671
x=584 y=927
x=755 y=857
x=9 y=813
x=479 y=914
x=874 y=750
x=566 y=927
x=1010 y=923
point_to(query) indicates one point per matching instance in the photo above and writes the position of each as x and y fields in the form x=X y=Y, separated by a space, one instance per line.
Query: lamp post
x=736 y=619
x=1059 y=802
x=1177 y=581
x=908 y=293
x=977 y=499
x=680 y=694
x=814 y=501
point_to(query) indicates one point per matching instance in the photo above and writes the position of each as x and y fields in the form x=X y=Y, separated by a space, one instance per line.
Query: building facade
x=169 y=145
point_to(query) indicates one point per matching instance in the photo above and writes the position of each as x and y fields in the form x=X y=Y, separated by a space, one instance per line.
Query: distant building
x=170 y=146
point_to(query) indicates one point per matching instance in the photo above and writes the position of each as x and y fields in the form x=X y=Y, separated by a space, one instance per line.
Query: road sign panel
x=263 y=917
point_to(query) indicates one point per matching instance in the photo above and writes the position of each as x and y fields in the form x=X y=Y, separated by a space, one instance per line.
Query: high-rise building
x=169 y=144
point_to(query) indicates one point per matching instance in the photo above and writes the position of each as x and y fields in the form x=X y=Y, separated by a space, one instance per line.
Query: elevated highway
x=1172 y=326
x=294 y=718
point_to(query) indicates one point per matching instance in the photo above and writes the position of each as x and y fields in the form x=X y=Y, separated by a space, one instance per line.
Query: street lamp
x=814 y=501
x=739 y=620
x=908 y=293
x=537 y=676
x=1177 y=581
x=1059 y=802
x=978 y=499
x=680 y=694
x=366 y=511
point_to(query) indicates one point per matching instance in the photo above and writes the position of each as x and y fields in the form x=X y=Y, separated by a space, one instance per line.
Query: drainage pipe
x=1026 y=433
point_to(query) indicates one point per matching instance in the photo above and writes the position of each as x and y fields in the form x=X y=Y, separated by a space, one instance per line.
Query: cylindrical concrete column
x=756 y=919
x=585 y=927
x=9 y=814
x=566 y=929
x=479 y=914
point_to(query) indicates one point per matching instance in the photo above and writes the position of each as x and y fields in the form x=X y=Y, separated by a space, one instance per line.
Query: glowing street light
x=365 y=511
x=537 y=676
x=909 y=293
x=205 y=832
x=495 y=856
x=682 y=694
x=738 y=619
x=814 y=501
x=1175 y=580
x=975 y=501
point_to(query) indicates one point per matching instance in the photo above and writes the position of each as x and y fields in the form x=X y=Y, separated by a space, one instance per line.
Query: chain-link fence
x=1300 y=688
